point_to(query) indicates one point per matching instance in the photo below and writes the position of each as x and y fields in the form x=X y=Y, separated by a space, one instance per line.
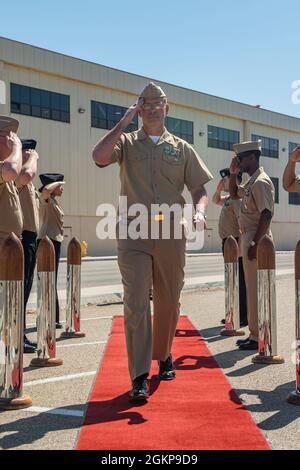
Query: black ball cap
x=224 y=172
x=48 y=178
x=28 y=144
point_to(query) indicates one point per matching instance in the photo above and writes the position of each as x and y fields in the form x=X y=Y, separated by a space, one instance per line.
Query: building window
x=294 y=198
x=39 y=103
x=292 y=147
x=220 y=138
x=181 y=128
x=275 y=182
x=269 y=146
x=106 y=116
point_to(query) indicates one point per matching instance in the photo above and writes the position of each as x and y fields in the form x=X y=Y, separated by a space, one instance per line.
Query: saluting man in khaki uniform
x=52 y=219
x=290 y=181
x=228 y=225
x=154 y=167
x=255 y=217
x=29 y=202
x=11 y=218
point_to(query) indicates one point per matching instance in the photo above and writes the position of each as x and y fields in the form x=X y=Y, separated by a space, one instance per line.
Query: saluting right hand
x=295 y=156
x=12 y=140
x=131 y=112
x=26 y=154
x=234 y=166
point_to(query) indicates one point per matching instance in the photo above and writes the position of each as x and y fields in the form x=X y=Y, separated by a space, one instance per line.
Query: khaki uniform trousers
x=142 y=262
x=250 y=271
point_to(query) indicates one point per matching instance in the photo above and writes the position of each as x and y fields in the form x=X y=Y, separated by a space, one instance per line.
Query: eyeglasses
x=156 y=106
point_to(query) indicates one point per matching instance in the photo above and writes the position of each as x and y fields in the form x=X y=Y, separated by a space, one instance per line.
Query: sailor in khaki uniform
x=52 y=219
x=29 y=202
x=228 y=225
x=154 y=167
x=11 y=218
x=290 y=181
x=255 y=217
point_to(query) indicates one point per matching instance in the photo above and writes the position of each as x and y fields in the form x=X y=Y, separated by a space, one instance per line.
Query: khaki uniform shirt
x=51 y=219
x=156 y=173
x=228 y=221
x=258 y=194
x=11 y=217
x=30 y=206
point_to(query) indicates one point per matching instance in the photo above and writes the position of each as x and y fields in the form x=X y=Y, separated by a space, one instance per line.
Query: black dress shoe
x=28 y=349
x=241 y=341
x=249 y=345
x=29 y=343
x=58 y=325
x=140 y=390
x=166 y=369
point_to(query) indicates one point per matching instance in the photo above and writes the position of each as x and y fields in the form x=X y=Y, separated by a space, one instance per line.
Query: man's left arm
x=200 y=201
x=196 y=176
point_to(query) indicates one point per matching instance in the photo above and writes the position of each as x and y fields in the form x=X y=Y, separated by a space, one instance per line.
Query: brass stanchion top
x=11 y=259
x=266 y=253
x=46 y=256
x=74 y=251
x=297 y=261
x=231 y=250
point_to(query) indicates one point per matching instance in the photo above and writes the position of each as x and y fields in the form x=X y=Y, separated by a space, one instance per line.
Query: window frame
x=294 y=198
x=267 y=151
x=105 y=119
x=184 y=126
x=275 y=182
x=39 y=103
x=222 y=138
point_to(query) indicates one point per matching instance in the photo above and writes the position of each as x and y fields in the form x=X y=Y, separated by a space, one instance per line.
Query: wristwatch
x=252 y=243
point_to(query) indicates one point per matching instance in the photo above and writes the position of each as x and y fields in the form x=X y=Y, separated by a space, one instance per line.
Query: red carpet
x=198 y=410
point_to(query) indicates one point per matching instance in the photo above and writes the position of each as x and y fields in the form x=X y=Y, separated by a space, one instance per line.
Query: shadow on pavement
x=247 y=369
x=32 y=428
x=211 y=335
x=226 y=359
x=27 y=430
x=273 y=401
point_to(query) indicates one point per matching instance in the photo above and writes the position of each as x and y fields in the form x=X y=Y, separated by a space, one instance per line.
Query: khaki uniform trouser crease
x=142 y=262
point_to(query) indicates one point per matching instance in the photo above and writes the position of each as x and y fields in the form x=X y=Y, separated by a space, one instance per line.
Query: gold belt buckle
x=159 y=217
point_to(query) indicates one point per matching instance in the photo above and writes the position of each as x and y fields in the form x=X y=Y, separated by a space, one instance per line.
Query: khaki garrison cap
x=8 y=124
x=152 y=91
x=247 y=147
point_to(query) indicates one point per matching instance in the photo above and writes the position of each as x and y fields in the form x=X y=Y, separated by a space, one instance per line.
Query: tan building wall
x=66 y=147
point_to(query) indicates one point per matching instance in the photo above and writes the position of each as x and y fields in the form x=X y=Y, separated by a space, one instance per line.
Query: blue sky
x=245 y=51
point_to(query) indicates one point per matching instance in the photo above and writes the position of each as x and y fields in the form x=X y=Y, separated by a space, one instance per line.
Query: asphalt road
x=101 y=273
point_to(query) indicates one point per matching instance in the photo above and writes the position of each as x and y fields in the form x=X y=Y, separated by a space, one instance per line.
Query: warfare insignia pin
x=172 y=155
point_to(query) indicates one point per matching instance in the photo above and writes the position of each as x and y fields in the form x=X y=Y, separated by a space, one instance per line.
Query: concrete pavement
x=60 y=394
